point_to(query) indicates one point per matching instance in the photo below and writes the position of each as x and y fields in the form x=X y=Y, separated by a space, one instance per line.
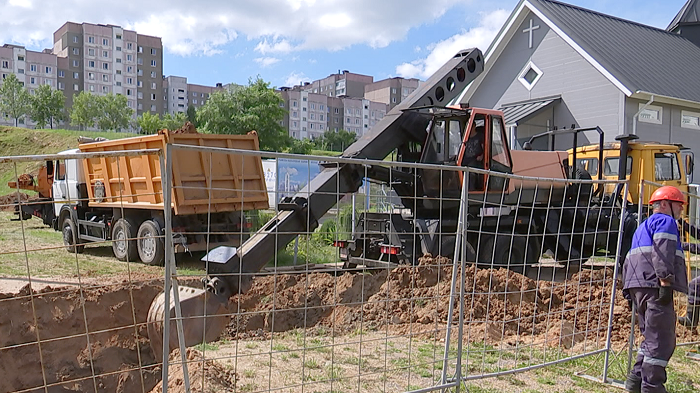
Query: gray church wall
x=589 y=99
x=669 y=131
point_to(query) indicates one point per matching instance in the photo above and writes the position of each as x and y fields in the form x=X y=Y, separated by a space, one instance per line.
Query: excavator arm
x=229 y=271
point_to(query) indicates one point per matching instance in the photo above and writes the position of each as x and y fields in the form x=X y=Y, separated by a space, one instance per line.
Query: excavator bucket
x=205 y=318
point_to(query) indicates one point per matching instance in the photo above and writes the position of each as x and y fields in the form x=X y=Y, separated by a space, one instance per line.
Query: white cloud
x=479 y=37
x=278 y=26
x=266 y=61
x=295 y=78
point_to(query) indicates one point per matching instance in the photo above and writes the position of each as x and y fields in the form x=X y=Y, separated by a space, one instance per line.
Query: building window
x=92 y=88
x=194 y=101
x=139 y=61
x=530 y=75
x=105 y=42
x=119 y=36
x=119 y=49
x=128 y=92
x=119 y=60
x=153 y=51
x=294 y=104
x=32 y=81
x=105 y=89
x=91 y=40
x=76 y=75
x=153 y=85
x=295 y=114
x=140 y=49
x=118 y=83
x=651 y=114
x=320 y=107
x=690 y=120
x=105 y=66
x=105 y=78
x=303 y=99
x=153 y=74
x=129 y=58
x=153 y=63
x=91 y=64
x=119 y=72
x=336 y=110
x=139 y=95
x=61 y=74
x=303 y=109
x=75 y=39
x=75 y=86
x=129 y=46
x=76 y=51
x=61 y=86
x=312 y=116
x=105 y=54
x=129 y=69
x=311 y=126
x=313 y=106
x=32 y=67
x=91 y=52
x=20 y=71
x=294 y=124
x=76 y=63
x=129 y=81
x=153 y=108
x=91 y=76
x=153 y=97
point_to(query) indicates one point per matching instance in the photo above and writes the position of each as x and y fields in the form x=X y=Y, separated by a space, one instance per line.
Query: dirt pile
x=501 y=305
x=8 y=202
x=69 y=357
x=204 y=375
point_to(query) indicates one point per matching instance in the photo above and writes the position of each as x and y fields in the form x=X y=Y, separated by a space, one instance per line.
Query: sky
x=286 y=42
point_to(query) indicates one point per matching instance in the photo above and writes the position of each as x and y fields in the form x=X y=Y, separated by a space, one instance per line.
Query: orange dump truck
x=99 y=199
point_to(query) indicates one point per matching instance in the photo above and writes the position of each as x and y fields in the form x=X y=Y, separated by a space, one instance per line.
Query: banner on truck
x=294 y=174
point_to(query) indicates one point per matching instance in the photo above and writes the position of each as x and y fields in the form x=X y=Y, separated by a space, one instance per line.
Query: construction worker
x=653 y=269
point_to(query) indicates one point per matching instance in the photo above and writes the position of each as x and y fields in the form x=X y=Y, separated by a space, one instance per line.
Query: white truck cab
x=68 y=177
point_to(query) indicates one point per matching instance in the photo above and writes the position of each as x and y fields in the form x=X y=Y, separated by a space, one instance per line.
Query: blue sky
x=290 y=41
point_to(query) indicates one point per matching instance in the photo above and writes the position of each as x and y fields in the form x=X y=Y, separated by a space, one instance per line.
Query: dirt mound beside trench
x=502 y=306
x=204 y=375
x=115 y=347
x=8 y=202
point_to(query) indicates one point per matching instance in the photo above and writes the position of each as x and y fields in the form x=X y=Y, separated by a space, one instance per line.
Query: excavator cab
x=470 y=137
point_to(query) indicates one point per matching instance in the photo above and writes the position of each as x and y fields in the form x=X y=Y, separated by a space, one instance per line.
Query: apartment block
x=31 y=68
x=343 y=83
x=103 y=59
x=390 y=91
x=178 y=95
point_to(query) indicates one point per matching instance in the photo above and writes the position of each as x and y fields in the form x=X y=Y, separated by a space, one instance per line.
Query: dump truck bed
x=237 y=182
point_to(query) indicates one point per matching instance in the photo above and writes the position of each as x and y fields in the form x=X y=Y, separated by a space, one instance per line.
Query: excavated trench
x=502 y=308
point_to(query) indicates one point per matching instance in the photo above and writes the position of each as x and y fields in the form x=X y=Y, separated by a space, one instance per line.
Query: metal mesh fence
x=413 y=281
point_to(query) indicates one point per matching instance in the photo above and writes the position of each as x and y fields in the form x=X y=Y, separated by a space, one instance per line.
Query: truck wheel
x=124 y=244
x=511 y=252
x=150 y=243
x=70 y=238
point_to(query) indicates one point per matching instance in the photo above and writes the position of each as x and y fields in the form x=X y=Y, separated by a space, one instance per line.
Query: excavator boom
x=230 y=270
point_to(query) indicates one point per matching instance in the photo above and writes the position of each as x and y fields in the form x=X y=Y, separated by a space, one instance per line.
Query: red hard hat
x=667 y=193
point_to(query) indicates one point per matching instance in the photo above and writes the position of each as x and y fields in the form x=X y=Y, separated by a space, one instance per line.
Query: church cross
x=529 y=31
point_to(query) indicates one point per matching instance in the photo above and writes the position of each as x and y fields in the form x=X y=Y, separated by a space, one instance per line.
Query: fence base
x=616 y=383
x=693 y=356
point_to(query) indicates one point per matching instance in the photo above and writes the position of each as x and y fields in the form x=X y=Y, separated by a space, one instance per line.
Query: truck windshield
x=666 y=167
x=590 y=165
x=611 y=166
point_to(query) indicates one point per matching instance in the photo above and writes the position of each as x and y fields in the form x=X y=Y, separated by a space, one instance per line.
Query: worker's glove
x=665 y=295
x=629 y=304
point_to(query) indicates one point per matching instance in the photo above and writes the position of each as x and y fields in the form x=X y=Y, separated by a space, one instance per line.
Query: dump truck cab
x=651 y=161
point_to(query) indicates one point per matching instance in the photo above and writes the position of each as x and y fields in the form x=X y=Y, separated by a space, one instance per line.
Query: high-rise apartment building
x=31 y=68
x=341 y=84
x=390 y=91
x=103 y=59
x=178 y=95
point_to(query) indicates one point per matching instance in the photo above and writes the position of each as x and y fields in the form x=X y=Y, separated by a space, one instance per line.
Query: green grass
x=23 y=141
x=203 y=347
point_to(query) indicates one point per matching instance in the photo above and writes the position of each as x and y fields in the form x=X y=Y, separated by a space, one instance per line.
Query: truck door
x=498 y=154
x=65 y=184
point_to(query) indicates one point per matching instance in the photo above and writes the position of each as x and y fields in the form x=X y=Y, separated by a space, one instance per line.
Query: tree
x=192 y=115
x=173 y=122
x=113 y=112
x=14 y=98
x=85 y=110
x=301 y=146
x=149 y=123
x=239 y=111
x=336 y=141
x=46 y=105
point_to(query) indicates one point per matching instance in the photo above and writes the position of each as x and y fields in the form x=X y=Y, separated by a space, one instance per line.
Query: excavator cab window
x=443 y=147
x=500 y=155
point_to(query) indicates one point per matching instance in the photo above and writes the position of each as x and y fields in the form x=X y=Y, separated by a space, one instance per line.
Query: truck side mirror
x=689 y=165
x=527 y=146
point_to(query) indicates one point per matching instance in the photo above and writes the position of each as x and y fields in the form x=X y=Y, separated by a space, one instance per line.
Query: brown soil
x=115 y=350
x=501 y=306
x=204 y=375
x=8 y=202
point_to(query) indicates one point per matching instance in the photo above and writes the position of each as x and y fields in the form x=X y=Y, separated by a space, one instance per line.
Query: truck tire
x=124 y=241
x=511 y=252
x=70 y=237
x=150 y=243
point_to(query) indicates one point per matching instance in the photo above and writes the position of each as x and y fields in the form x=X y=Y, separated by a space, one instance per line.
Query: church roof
x=690 y=13
x=636 y=58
